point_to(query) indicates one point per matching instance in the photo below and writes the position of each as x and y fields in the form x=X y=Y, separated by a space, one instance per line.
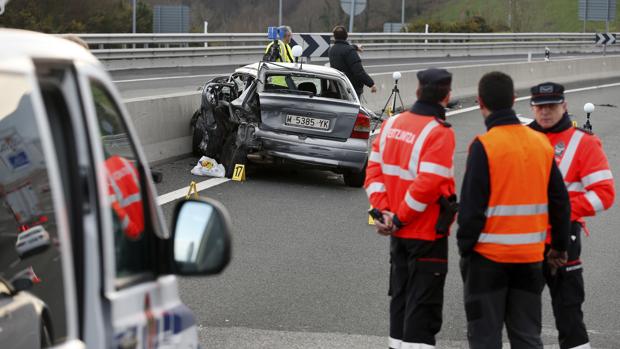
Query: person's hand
x=556 y=259
x=359 y=48
x=373 y=89
x=387 y=227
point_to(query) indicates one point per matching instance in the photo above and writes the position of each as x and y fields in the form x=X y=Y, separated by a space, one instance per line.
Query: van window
x=26 y=202
x=125 y=190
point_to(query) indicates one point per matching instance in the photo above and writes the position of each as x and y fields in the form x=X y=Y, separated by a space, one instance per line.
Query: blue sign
x=273 y=33
x=19 y=160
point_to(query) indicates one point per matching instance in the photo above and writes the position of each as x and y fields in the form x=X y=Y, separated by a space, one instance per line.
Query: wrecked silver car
x=279 y=113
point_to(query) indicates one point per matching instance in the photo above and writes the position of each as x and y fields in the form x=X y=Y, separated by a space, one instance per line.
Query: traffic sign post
x=352 y=8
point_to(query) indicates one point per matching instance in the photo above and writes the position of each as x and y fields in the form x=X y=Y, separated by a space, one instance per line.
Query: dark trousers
x=417 y=279
x=498 y=294
x=567 y=294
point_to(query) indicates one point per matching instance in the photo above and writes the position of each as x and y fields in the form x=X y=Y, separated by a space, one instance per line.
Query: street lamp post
x=280 y=13
x=133 y=15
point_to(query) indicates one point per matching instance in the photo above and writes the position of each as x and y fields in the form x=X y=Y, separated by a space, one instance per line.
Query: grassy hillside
x=527 y=15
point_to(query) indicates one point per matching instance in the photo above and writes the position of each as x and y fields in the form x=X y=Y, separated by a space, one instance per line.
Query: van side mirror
x=201 y=237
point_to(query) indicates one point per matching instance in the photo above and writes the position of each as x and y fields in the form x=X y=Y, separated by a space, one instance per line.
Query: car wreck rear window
x=318 y=86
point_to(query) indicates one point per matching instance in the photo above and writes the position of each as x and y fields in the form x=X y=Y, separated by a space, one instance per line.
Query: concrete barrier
x=163 y=121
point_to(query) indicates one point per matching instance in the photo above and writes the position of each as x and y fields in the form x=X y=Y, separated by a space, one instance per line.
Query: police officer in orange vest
x=584 y=167
x=512 y=190
x=410 y=184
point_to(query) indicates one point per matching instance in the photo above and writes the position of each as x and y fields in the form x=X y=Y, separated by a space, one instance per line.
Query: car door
x=142 y=306
x=40 y=283
x=310 y=104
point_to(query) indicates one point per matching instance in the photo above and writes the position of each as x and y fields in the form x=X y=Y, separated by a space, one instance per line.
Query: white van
x=95 y=286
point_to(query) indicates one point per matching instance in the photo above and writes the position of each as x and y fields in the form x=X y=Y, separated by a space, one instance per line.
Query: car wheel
x=233 y=155
x=354 y=179
x=196 y=135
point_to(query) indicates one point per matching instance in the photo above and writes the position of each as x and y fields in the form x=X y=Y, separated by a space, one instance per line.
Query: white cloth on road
x=208 y=167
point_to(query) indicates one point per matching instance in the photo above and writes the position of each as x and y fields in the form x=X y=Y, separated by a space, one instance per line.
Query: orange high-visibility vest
x=124 y=193
x=520 y=162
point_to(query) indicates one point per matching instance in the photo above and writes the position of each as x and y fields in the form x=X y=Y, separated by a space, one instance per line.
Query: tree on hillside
x=77 y=16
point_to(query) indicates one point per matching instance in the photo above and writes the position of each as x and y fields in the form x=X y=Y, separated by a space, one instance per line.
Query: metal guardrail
x=110 y=47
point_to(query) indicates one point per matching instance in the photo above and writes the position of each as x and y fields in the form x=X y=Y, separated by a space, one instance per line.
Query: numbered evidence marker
x=192 y=188
x=371 y=220
x=239 y=173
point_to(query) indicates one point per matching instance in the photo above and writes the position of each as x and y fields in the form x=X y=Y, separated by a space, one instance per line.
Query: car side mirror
x=22 y=284
x=201 y=237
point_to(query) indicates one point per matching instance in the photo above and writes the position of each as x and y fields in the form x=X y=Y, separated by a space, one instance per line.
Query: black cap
x=434 y=76
x=547 y=93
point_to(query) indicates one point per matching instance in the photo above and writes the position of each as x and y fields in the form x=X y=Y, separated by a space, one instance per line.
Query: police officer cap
x=547 y=93
x=434 y=76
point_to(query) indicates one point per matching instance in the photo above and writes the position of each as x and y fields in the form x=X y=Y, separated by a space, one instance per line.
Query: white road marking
x=168 y=78
x=523 y=59
x=210 y=183
x=15 y=263
x=368 y=66
x=179 y=193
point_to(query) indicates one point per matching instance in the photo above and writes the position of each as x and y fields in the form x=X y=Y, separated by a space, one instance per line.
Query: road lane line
x=169 y=77
x=179 y=193
x=511 y=60
x=14 y=264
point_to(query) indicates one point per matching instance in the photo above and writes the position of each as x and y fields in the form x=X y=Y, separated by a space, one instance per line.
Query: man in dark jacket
x=343 y=56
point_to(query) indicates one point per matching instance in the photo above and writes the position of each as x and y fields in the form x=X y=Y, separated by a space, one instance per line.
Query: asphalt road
x=162 y=81
x=309 y=272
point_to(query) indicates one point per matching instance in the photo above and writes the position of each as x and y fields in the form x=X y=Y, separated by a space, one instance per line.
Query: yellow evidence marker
x=371 y=221
x=239 y=173
x=192 y=188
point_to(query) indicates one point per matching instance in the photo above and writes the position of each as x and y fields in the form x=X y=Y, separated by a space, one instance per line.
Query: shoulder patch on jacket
x=584 y=130
x=443 y=122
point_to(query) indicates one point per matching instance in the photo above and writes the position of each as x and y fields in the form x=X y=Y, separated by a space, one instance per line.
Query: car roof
x=306 y=68
x=30 y=45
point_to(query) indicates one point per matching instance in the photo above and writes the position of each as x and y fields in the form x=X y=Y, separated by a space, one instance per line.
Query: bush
x=474 y=24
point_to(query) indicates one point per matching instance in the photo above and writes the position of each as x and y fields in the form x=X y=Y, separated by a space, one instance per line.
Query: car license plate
x=307 y=122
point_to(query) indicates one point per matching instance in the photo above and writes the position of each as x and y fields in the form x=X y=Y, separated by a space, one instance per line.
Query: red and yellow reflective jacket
x=124 y=194
x=410 y=167
x=584 y=166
